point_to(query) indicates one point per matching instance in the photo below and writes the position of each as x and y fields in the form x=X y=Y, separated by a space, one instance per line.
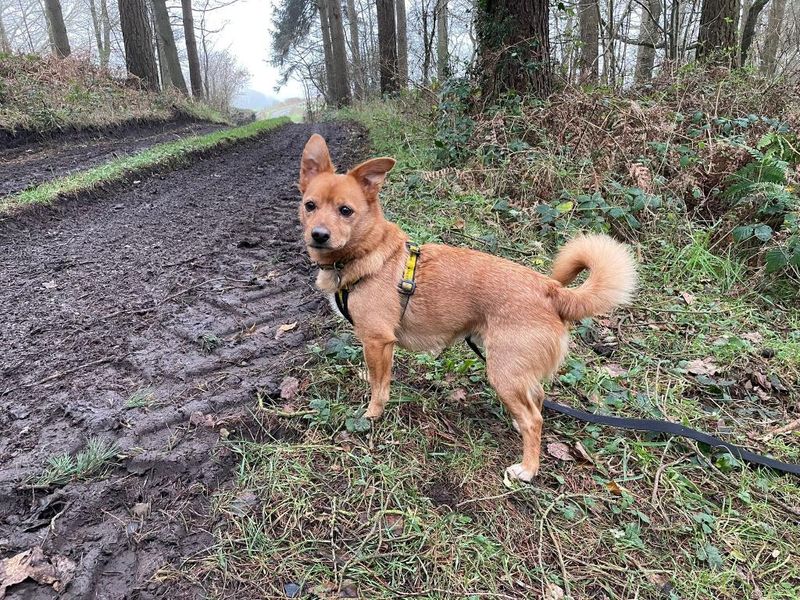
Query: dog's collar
x=334 y=266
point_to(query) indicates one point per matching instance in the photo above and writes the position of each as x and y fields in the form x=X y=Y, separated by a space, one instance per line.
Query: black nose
x=320 y=235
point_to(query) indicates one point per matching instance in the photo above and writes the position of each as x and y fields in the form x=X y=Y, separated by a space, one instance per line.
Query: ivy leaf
x=763 y=232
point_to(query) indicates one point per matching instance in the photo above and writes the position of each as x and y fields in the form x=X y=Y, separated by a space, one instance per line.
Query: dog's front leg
x=378 y=353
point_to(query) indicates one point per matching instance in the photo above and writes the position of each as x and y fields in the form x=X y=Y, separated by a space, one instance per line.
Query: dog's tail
x=611 y=281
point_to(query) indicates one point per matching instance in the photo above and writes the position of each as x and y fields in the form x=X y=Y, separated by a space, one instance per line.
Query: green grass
x=90 y=462
x=417 y=507
x=161 y=156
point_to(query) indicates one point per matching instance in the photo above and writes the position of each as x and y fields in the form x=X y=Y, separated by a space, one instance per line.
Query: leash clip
x=407 y=287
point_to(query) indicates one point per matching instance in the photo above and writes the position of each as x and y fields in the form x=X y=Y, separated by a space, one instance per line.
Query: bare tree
x=717 y=37
x=748 y=31
x=327 y=49
x=138 y=39
x=341 y=86
x=355 y=50
x=224 y=79
x=387 y=46
x=5 y=45
x=195 y=77
x=648 y=37
x=101 y=24
x=402 y=43
x=589 y=24
x=166 y=42
x=769 y=58
x=56 y=27
x=442 y=51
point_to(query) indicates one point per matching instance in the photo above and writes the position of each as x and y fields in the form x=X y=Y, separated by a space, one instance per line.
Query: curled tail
x=611 y=281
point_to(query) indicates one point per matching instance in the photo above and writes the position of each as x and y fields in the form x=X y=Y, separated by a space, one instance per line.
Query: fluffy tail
x=611 y=281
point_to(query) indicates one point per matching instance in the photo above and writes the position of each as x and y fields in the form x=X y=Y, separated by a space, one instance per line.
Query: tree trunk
x=96 y=28
x=402 y=44
x=195 y=77
x=589 y=23
x=769 y=61
x=105 y=23
x=341 y=88
x=427 y=18
x=166 y=40
x=56 y=28
x=514 y=38
x=717 y=37
x=387 y=46
x=327 y=48
x=138 y=40
x=355 y=51
x=646 y=55
x=5 y=46
x=442 y=51
x=750 y=21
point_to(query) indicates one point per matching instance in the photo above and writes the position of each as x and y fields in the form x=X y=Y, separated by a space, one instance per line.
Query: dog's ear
x=316 y=159
x=371 y=174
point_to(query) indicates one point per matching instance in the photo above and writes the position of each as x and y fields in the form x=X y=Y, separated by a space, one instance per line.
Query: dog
x=520 y=317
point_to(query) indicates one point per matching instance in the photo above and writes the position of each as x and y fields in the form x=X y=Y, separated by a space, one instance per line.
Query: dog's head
x=338 y=211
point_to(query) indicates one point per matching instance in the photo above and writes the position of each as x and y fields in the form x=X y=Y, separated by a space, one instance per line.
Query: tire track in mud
x=173 y=288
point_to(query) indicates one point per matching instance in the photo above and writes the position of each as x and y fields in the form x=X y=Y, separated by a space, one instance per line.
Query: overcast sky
x=247 y=34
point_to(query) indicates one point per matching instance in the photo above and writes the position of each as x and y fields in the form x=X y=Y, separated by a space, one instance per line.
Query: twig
x=781 y=430
x=138 y=311
x=60 y=374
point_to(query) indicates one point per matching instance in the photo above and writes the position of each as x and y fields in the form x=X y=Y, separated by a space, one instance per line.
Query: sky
x=246 y=33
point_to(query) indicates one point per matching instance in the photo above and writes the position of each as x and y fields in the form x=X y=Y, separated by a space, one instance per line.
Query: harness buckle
x=407 y=287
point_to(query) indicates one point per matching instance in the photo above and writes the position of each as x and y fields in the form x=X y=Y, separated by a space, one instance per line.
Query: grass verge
x=416 y=506
x=161 y=156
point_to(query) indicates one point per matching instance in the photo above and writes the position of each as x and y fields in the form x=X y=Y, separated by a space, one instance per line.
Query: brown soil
x=35 y=162
x=176 y=285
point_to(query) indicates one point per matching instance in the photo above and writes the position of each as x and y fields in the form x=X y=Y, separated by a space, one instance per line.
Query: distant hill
x=253 y=100
x=292 y=108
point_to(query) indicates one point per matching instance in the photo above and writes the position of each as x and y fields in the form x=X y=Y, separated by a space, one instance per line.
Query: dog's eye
x=310 y=206
x=345 y=211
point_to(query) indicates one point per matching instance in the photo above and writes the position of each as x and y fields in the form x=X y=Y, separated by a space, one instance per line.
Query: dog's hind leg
x=522 y=396
x=379 y=354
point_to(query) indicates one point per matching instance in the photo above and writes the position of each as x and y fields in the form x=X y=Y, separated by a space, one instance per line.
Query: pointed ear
x=316 y=159
x=372 y=173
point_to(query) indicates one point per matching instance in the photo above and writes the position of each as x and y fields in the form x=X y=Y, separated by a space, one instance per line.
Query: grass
x=90 y=462
x=141 y=398
x=161 y=156
x=417 y=506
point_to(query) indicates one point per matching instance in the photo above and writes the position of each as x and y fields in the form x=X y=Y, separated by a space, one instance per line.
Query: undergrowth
x=416 y=507
x=46 y=94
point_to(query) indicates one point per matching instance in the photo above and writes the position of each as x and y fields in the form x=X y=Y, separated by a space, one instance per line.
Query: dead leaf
x=553 y=592
x=459 y=224
x=688 y=298
x=613 y=487
x=753 y=337
x=615 y=370
x=395 y=524
x=198 y=419
x=140 y=509
x=583 y=453
x=702 y=366
x=32 y=564
x=348 y=589
x=289 y=387
x=49 y=285
x=458 y=395
x=284 y=328
x=560 y=451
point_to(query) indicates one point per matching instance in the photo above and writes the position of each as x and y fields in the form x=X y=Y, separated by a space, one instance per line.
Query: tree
x=750 y=21
x=101 y=25
x=5 y=46
x=192 y=56
x=138 y=40
x=442 y=50
x=589 y=25
x=224 y=79
x=402 y=43
x=648 y=37
x=355 y=50
x=56 y=28
x=717 y=37
x=341 y=85
x=166 y=41
x=327 y=50
x=387 y=46
x=770 y=55
x=514 y=47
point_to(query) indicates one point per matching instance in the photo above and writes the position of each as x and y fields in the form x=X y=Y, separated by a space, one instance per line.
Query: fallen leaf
x=753 y=337
x=395 y=524
x=702 y=366
x=348 y=589
x=688 y=298
x=458 y=395
x=198 y=419
x=583 y=453
x=49 y=285
x=615 y=370
x=613 y=487
x=284 y=328
x=289 y=387
x=140 y=509
x=560 y=451
x=459 y=224
x=553 y=592
x=32 y=564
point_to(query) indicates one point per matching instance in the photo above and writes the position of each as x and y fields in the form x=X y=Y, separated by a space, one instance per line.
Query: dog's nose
x=320 y=235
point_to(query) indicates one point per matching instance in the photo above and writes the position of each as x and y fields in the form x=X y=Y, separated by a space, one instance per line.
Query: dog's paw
x=519 y=473
x=373 y=413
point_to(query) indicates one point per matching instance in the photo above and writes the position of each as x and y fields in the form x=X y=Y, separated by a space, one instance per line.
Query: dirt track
x=103 y=298
x=32 y=163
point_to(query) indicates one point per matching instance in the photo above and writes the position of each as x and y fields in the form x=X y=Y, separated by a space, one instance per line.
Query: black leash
x=661 y=427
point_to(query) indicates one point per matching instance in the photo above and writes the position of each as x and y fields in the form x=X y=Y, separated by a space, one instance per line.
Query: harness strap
x=408 y=284
x=341 y=302
x=661 y=427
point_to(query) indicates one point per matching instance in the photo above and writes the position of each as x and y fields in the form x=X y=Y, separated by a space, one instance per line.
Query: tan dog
x=521 y=316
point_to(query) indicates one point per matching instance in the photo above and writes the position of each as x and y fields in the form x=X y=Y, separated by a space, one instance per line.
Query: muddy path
x=36 y=162
x=147 y=318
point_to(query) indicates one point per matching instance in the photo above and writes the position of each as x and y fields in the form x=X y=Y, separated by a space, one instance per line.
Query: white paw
x=518 y=472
